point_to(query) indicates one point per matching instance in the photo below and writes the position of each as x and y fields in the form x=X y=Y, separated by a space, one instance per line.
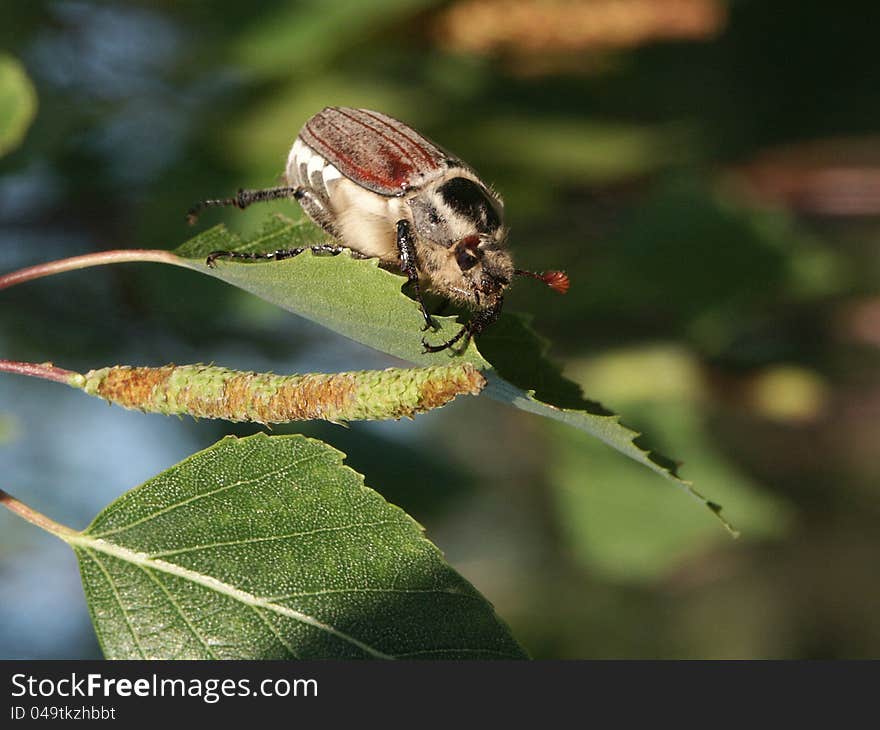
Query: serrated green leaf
x=365 y=303
x=18 y=103
x=635 y=532
x=268 y=547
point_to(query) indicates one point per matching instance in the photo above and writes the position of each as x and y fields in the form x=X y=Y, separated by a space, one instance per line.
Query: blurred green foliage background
x=707 y=172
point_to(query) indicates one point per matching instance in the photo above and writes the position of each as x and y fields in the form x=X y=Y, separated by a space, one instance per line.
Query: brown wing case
x=376 y=151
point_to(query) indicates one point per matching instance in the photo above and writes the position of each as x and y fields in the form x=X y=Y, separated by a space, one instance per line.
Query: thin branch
x=101 y=258
x=45 y=370
x=35 y=518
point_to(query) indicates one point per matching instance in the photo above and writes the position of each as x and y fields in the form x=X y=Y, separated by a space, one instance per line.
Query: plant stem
x=100 y=258
x=35 y=518
x=45 y=370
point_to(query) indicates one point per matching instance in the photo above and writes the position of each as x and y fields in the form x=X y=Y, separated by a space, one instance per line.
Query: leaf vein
x=211 y=583
x=203 y=495
x=278 y=636
x=268 y=538
x=118 y=598
x=331 y=591
x=180 y=612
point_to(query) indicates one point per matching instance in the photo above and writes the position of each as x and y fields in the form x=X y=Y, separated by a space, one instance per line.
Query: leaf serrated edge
x=506 y=392
x=630 y=437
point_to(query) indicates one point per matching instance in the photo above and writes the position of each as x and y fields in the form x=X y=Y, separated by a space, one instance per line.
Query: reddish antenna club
x=556 y=280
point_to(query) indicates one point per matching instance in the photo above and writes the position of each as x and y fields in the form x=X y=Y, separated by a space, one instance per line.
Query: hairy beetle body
x=364 y=172
x=385 y=191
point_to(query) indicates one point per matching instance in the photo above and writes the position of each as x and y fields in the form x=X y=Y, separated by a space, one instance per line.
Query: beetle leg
x=310 y=203
x=449 y=343
x=242 y=199
x=279 y=255
x=482 y=319
x=406 y=251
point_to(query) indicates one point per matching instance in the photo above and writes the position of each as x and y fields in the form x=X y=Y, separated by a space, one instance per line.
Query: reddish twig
x=101 y=258
x=35 y=518
x=45 y=370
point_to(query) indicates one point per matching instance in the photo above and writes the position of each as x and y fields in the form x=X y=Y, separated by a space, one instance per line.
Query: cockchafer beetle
x=383 y=190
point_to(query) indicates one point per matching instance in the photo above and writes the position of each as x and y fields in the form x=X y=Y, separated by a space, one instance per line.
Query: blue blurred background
x=707 y=172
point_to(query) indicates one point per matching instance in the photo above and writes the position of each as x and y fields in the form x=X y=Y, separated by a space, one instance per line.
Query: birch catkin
x=206 y=391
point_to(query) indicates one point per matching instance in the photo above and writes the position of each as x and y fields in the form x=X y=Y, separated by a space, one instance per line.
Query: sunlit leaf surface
x=269 y=548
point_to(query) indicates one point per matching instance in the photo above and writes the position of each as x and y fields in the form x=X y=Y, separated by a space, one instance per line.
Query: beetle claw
x=465 y=332
x=213 y=256
x=428 y=348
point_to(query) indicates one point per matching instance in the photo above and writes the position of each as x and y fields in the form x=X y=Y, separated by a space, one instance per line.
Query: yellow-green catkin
x=206 y=391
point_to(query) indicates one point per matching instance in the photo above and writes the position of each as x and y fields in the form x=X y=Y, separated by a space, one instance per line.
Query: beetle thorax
x=456 y=205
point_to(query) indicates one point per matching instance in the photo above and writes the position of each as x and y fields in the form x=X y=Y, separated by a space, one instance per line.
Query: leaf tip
x=716 y=510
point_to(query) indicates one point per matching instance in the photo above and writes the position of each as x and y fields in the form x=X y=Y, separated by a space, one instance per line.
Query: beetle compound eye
x=467 y=253
x=466 y=258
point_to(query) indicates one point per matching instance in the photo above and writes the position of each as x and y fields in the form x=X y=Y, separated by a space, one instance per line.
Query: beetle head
x=484 y=267
x=461 y=221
